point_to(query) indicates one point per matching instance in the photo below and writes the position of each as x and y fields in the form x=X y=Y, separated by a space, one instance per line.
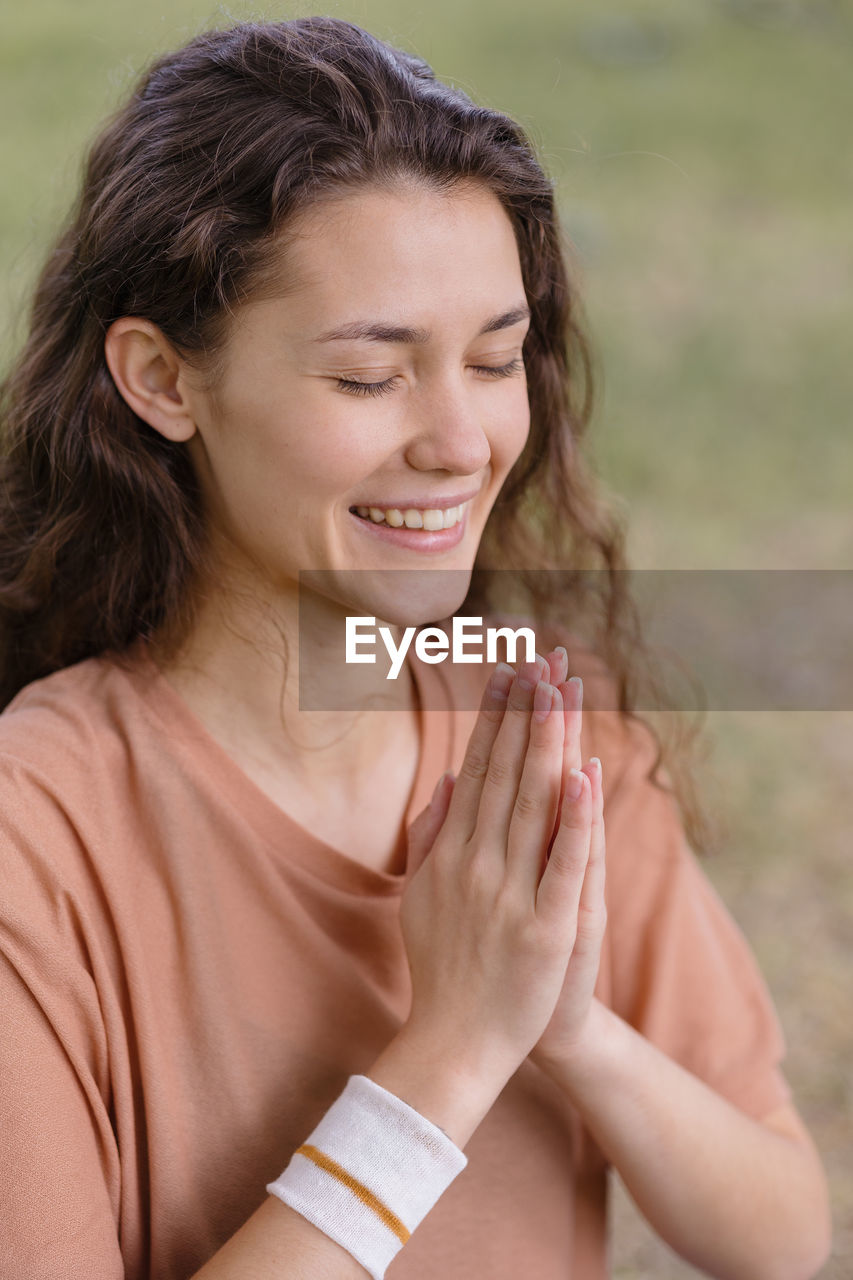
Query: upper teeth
x=429 y=518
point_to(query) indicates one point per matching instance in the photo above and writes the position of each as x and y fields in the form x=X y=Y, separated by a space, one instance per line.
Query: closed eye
x=353 y=387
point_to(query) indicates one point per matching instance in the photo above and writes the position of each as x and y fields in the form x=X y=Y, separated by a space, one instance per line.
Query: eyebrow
x=375 y=331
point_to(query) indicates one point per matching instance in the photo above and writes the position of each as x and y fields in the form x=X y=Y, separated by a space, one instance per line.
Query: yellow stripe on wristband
x=366 y=1196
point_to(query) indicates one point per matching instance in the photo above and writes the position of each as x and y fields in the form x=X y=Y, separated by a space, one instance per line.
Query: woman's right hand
x=488 y=916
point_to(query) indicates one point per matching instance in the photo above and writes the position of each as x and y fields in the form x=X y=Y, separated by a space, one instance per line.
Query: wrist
x=586 y=1053
x=369 y=1172
x=453 y=1086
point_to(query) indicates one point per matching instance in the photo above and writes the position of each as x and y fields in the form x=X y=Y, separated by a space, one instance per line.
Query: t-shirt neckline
x=274 y=824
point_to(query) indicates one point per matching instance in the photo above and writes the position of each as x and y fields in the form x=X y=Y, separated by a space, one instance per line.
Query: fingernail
x=577 y=686
x=501 y=680
x=528 y=675
x=574 y=784
x=543 y=700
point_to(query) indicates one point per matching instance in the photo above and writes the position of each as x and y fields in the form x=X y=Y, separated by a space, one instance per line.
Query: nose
x=447 y=430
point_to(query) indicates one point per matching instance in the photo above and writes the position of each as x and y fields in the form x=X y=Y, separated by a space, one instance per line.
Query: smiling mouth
x=430 y=519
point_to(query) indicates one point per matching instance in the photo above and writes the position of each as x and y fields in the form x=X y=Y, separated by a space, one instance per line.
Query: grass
x=704 y=169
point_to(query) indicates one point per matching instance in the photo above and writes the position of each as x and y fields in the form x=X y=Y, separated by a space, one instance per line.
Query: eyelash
x=380 y=388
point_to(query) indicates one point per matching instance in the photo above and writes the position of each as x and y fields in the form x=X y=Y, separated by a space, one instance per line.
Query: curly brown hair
x=187 y=192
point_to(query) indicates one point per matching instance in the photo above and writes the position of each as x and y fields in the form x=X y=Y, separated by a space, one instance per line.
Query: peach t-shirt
x=188 y=977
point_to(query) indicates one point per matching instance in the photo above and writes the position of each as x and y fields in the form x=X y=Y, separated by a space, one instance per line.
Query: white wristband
x=369 y=1173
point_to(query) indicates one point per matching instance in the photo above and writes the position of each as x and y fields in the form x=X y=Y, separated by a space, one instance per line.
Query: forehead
x=400 y=252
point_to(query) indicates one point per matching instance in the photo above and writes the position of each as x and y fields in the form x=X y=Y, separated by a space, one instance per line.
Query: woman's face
x=327 y=452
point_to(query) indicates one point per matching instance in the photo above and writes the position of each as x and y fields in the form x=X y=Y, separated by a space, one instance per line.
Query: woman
x=261 y=989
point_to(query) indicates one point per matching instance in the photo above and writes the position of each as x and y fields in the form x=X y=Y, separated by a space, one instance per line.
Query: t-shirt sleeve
x=682 y=972
x=59 y=1189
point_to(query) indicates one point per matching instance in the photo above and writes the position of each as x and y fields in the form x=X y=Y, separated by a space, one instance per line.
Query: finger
x=426 y=826
x=542 y=664
x=506 y=762
x=465 y=800
x=592 y=911
x=559 y=891
x=572 y=694
x=558 y=662
x=537 y=802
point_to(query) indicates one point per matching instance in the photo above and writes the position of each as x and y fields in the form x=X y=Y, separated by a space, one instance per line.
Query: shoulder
x=61 y=726
x=65 y=757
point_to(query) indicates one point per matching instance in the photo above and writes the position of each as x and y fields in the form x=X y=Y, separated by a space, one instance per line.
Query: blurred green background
x=703 y=155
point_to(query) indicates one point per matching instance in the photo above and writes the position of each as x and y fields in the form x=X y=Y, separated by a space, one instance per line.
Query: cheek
x=512 y=430
x=326 y=463
x=265 y=462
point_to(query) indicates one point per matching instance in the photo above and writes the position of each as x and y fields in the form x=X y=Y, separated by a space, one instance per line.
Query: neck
x=268 y=674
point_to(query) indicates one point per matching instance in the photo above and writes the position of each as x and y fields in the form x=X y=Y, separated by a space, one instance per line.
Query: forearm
x=277 y=1243
x=732 y=1197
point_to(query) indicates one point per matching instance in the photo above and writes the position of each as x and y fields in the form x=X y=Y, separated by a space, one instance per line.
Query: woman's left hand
x=571 y=1015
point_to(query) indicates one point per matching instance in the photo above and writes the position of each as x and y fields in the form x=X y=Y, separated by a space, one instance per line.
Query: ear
x=149 y=376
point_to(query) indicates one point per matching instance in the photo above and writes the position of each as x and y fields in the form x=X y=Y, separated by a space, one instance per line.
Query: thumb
x=428 y=823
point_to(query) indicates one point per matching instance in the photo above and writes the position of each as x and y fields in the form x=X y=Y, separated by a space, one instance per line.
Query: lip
x=420 y=504
x=431 y=541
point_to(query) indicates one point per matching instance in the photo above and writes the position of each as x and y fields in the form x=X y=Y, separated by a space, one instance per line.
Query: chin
x=412 y=597
x=417 y=597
